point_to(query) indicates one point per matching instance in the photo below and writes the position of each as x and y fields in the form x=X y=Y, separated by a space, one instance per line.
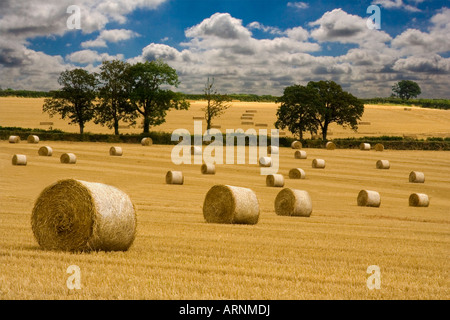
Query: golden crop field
x=177 y=255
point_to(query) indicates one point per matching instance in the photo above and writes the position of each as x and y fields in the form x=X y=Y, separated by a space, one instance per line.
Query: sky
x=247 y=46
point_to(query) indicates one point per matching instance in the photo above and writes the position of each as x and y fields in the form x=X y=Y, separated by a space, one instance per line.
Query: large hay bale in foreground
x=33 y=139
x=330 y=145
x=45 y=151
x=300 y=154
x=14 y=139
x=116 y=151
x=318 y=164
x=416 y=177
x=419 y=200
x=296 y=145
x=364 y=146
x=265 y=162
x=174 y=177
x=19 y=160
x=229 y=204
x=368 y=198
x=208 y=168
x=379 y=147
x=383 y=164
x=75 y=215
x=275 y=180
x=68 y=158
x=291 y=202
x=297 y=173
x=146 y=142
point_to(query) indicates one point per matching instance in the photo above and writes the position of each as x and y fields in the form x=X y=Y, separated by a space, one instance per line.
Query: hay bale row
x=75 y=215
x=300 y=154
x=247 y=123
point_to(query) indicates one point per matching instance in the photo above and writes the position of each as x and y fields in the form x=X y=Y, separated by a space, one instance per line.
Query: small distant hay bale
x=407 y=109
x=297 y=173
x=364 y=146
x=247 y=123
x=75 y=215
x=364 y=123
x=273 y=150
x=379 y=147
x=275 y=180
x=115 y=151
x=330 y=145
x=14 y=139
x=68 y=158
x=383 y=164
x=247 y=115
x=232 y=205
x=246 y=118
x=318 y=164
x=146 y=141
x=198 y=118
x=251 y=111
x=196 y=150
x=296 y=145
x=46 y=123
x=261 y=124
x=291 y=202
x=208 y=168
x=416 y=177
x=174 y=177
x=281 y=133
x=265 y=161
x=300 y=154
x=419 y=200
x=216 y=126
x=33 y=139
x=45 y=151
x=19 y=160
x=368 y=198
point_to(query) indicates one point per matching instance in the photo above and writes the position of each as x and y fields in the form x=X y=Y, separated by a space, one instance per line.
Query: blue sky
x=249 y=46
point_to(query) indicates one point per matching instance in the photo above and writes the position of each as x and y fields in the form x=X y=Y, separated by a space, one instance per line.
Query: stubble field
x=177 y=255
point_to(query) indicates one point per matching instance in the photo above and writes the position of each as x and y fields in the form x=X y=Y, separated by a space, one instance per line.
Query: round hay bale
x=379 y=147
x=330 y=145
x=318 y=164
x=68 y=158
x=174 y=177
x=273 y=150
x=383 y=164
x=297 y=173
x=291 y=202
x=419 y=200
x=116 y=151
x=208 y=168
x=33 y=139
x=75 y=215
x=367 y=198
x=300 y=154
x=14 y=139
x=296 y=145
x=265 y=162
x=275 y=180
x=146 y=141
x=364 y=146
x=196 y=150
x=416 y=177
x=229 y=204
x=45 y=151
x=19 y=160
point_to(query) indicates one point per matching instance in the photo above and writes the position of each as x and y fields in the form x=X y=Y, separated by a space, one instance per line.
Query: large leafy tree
x=75 y=100
x=148 y=93
x=114 y=105
x=406 y=89
x=216 y=103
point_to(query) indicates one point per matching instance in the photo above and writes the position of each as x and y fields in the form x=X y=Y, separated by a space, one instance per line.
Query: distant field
x=377 y=119
x=177 y=255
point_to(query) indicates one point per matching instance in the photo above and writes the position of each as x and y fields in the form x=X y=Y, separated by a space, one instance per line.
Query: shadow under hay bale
x=231 y=205
x=419 y=200
x=45 y=151
x=19 y=160
x=368 y=198
x=291 y=202
x=416 y=177
x=33 y=139
x=174 y=177
x=75 y=215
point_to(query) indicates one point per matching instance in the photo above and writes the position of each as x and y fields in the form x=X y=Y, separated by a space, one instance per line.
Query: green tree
x=297 y=111
x=216 y=103
x=406 y=89
x=114 y=105
x=147 y=94
x=75 y=99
